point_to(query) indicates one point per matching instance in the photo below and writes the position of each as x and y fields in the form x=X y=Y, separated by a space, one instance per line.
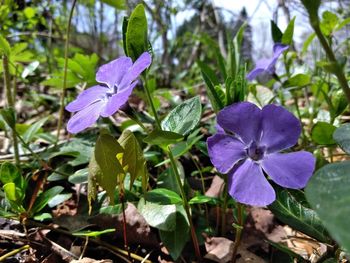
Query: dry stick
x=10 y=104
x=63 y=94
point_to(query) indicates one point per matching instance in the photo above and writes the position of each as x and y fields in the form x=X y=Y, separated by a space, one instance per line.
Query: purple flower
x=267 y=65
x=118 y=79
x=247 y=144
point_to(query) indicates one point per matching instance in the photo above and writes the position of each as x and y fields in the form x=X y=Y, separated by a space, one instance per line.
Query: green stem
x=10 y=104
x=63 y=94
x=185 y=204
x=14 y=252
x=224 y=208
x=239 y=229
x=177 y=176
x=329 y=52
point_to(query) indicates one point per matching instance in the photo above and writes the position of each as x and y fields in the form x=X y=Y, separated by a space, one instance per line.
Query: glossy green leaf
x=298 y=80
x=184 y=117
x=30 y=69
x=163 y=138
x=8 y=173
x=328 y=193
x=106 y=150
x=133 y=161
x=322 y=133
x=44 y=198
x=342 y=137
x=136 y=33
x=118 y=4
x=79 y=177
x=296 y=214
x=287 y=37
x=176 y=240
x=59 y=199
x=276 y=32
x=201 y=199
x=111 y=209
x=159 y=216
x=163 y=196
x=33 y=129
x=10 y=191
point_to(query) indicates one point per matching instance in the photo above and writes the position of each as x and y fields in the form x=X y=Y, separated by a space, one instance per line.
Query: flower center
x=256 y=152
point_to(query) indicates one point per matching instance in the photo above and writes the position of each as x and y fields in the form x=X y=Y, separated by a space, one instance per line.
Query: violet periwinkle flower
x=117 y=80
x=248 y=143
x=267 y=65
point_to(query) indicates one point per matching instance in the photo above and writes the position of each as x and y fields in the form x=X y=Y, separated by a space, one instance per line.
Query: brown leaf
x=219 y=249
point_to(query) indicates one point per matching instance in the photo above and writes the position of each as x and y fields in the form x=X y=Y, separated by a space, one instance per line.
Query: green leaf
x=307 y=42
x=162 y=217
x=10 y=192
x=176 y=240
x=276 y=33
x=287 y=37
x=202 y=199
x=328 y=23
x=163 y=138
x=312 y=8
x=30 y=69
x=94 y=173
x=183 y=118
x=4 y=46
x=289 y=210
x=9 y=117
x=90 y=233
x=8 y=173
x=328 y=193
x=45 y=197
x=136 y=33
x=211 y=82
x=118 y=4
x=33 y=130
x=112 y=209
x=58 y=199
x=343 y=23
x=133 y=160
x=79 y=177
x=163 y=196
x=298 y=80
x=342 y=137
x=322 y=133
x=106 y=150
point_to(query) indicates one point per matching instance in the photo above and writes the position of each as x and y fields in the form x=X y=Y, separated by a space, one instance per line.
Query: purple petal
x=278 y=49
x=85 y=118
x=112 y=73
x=117 y=100
x=225 y=151
x=243 y=118
x=254 y=73
x=248 y=185
x=139 y=66
x=219 y=129
x=281 y=129
x=292 y=170
x=86 y=98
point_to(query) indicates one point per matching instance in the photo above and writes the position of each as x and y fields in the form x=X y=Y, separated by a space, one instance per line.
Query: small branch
x=239 y=229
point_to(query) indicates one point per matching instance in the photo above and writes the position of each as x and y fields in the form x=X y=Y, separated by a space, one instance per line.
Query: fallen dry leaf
x=219 y=249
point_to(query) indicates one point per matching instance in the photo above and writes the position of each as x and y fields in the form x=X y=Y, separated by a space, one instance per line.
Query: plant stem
x=63 y=94
x=177 y=176
x=121 y=199
x=14 y=252
x=239 y=229
x=339 y=73
x=224 y=208
x=10 y=104
x=185 y=204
